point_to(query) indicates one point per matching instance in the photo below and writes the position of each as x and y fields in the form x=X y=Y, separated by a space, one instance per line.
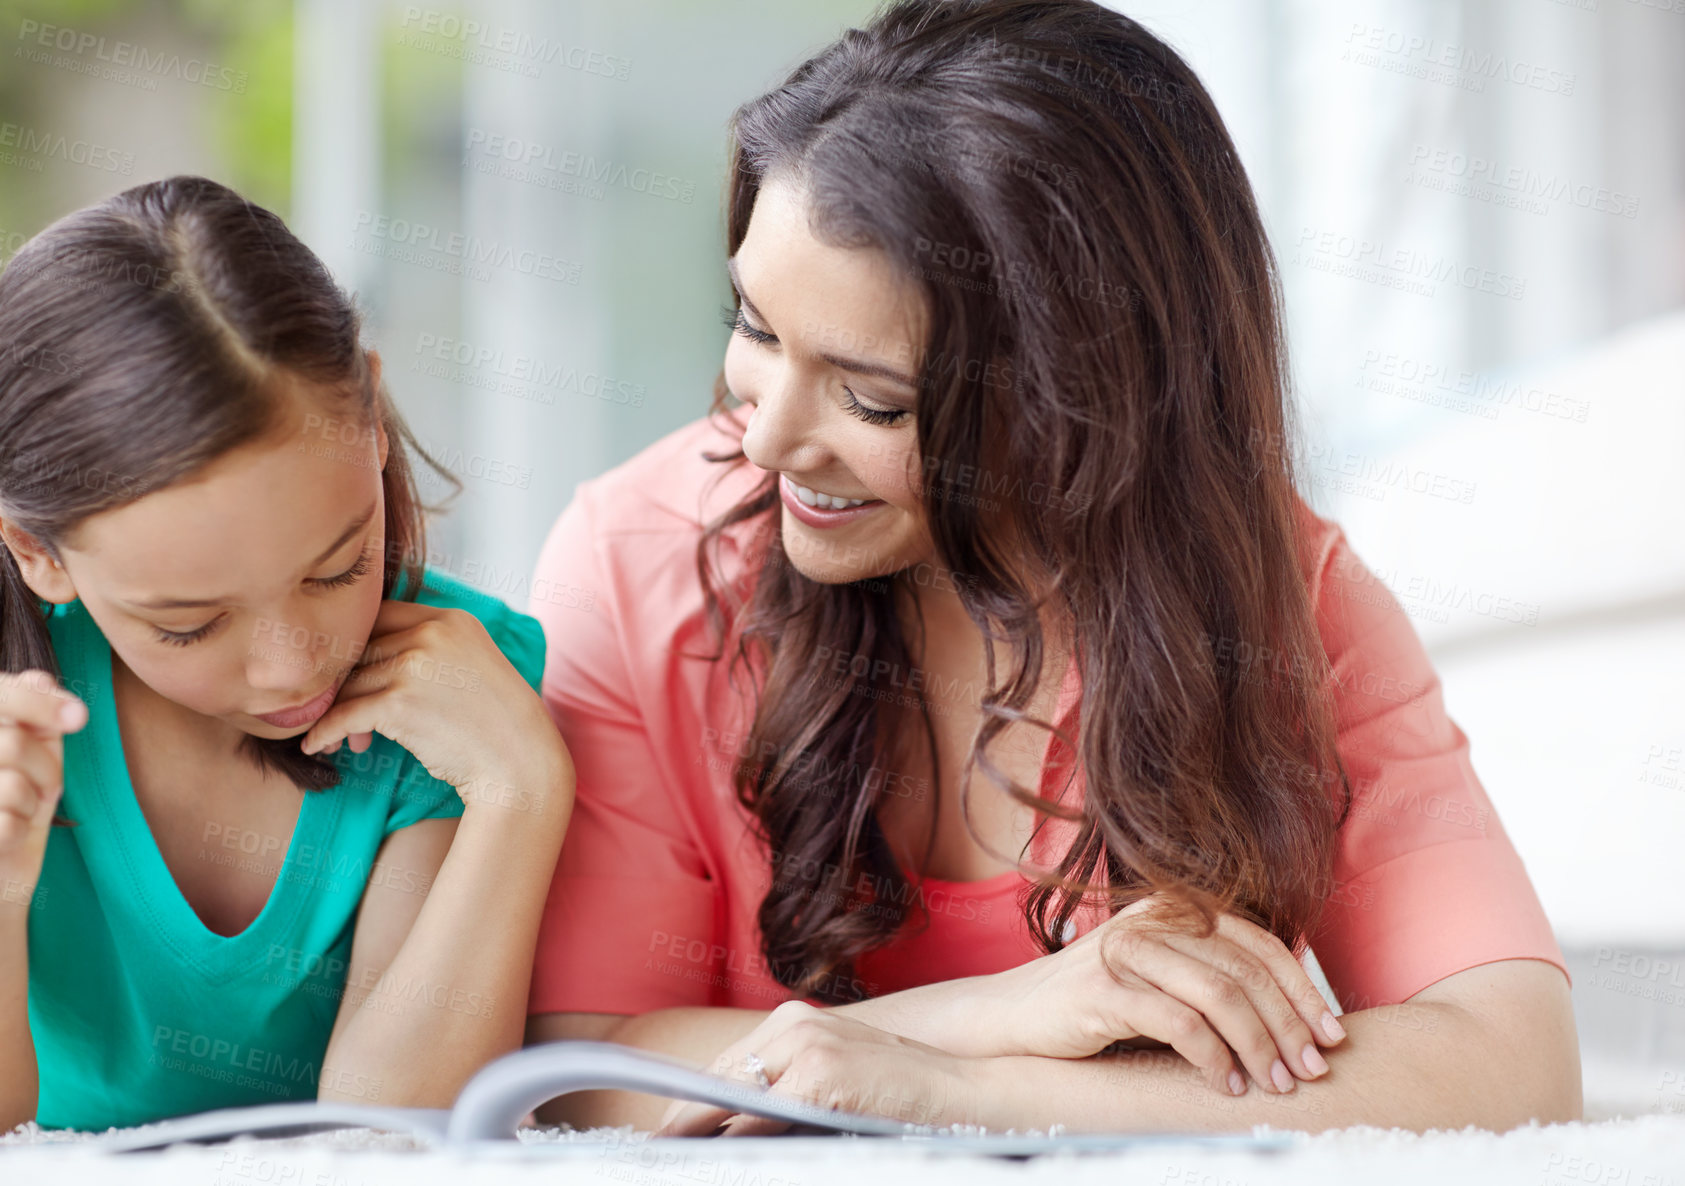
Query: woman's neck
x=936 y=624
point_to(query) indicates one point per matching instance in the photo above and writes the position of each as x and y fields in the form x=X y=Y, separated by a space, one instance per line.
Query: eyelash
x=734 y=319
x=872 y=415
x=192 y=636
x=349 y=577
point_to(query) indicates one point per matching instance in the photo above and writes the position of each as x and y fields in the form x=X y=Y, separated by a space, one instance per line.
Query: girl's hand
x=838 y=1063
x=35 y=714
x=1141 y=974
x=432 y=680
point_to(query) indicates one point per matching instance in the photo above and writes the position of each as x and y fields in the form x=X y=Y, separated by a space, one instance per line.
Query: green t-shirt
x=138 y=1010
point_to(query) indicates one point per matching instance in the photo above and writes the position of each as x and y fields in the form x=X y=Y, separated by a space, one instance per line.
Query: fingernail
x=1281 y=1077
x=1332 y=1027
x=1237 y=1083
x=70 y=713
x=1313 y=1060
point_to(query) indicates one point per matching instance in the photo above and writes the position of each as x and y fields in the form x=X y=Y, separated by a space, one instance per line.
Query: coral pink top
x=655 y=894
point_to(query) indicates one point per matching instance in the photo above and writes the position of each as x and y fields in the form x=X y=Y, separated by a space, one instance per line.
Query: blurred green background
x=526 y=198
x=361 y=123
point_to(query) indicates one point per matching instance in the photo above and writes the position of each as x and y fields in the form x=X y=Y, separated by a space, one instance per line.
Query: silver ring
x=752 y=1065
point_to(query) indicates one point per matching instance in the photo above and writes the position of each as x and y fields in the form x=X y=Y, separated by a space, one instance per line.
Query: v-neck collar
x=110 y=823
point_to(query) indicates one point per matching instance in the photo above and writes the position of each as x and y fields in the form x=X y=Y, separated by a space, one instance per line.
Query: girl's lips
x=818 y=516
x=292 y=718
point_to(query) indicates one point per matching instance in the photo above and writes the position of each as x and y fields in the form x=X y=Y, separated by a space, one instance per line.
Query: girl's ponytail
x=24 y=641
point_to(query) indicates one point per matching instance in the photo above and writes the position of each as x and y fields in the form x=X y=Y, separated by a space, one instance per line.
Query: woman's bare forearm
x=1492 y=1046
x=1414 y=1066
x=935 y=1014
x=950 y=1015
x=694 y=1034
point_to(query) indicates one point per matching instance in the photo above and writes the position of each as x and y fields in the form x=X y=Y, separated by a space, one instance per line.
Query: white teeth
x=825 y=502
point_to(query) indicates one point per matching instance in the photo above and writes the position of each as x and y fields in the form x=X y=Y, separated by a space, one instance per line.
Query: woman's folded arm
x=1493 y=1046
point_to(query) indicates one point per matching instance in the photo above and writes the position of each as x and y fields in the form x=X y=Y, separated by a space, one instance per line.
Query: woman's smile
x=818 y=509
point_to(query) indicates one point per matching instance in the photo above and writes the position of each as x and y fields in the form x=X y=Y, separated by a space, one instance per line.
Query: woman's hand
x=837 y=1063
x=1143 y=974
x=435 y=682
x=35 y=714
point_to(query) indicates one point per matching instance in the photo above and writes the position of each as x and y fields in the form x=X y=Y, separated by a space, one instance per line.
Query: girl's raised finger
x=34 y=698
x=32 y=755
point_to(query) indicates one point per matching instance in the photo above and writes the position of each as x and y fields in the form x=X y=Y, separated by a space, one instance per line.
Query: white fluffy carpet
x=1642 y=1150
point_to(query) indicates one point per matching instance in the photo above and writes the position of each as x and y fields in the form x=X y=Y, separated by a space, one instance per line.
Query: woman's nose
x=780 y=432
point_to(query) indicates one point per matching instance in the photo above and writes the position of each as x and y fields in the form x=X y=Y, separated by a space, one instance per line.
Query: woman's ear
x=41 y=570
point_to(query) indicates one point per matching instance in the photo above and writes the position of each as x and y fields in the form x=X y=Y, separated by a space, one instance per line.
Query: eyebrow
x=351 y=529
x=858 y=366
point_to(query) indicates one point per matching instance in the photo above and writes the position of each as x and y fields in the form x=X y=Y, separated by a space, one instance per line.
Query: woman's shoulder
x=1366 y=631
x=616 y=585
x=628 y=538
x=672 y=485
x=1338 y=581
x=1320 y=541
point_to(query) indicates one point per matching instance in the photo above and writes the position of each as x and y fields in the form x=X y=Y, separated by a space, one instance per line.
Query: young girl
x=922 y=682
x=271 y=838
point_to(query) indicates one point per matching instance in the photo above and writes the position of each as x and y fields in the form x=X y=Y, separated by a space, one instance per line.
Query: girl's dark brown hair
x=146 y=336
x=1103 y=392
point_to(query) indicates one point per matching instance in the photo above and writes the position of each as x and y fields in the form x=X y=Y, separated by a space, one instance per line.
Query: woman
x=975 y=681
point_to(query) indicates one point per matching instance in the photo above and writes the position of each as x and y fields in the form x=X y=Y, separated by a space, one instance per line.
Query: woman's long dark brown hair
x=146 y=336
x=1104 y=388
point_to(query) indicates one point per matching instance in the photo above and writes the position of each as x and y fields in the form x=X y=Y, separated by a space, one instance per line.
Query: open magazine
x=496 y=1100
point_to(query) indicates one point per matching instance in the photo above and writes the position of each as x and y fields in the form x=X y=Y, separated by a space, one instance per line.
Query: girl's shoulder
x=517 y=634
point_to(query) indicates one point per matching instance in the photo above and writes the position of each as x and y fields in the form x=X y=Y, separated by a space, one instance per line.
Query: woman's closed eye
x=870 y=414
x=733 y=317
x=853 y=405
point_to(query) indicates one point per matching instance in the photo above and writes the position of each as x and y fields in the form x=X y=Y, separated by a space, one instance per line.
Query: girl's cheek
x=186 y=679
